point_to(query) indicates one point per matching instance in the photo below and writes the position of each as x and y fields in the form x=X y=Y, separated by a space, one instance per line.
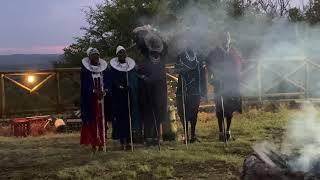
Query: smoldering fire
x=300 y=149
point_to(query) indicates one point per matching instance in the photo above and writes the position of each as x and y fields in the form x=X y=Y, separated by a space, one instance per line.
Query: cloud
x=58 y=49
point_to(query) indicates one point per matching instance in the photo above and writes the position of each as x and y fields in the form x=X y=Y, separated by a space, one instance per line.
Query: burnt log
x=255 y=168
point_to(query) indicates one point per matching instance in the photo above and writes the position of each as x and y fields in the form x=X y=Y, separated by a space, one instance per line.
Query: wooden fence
x=57 y=90
x=282 y=79
x=41 y=91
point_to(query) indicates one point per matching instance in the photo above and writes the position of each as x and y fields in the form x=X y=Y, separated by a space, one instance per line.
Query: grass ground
x=61 y=157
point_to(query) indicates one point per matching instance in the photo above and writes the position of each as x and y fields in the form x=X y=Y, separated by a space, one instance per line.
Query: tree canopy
x=111 y=23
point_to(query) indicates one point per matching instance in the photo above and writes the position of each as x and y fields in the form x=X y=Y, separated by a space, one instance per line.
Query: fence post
x=307 y=80
x=59 y=108
x=3 y=97
x=259 y=76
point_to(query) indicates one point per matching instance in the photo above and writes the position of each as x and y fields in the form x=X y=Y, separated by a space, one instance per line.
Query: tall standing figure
x=224 y=65
x=125 y=115
x=153 y=84
x=189 y=89
x=93 y=89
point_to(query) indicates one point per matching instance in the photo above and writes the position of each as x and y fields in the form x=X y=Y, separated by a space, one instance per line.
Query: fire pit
x=297 y=156
x=256 y=169
x=267 y=164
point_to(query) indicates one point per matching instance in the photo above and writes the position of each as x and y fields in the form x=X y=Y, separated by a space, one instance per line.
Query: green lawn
x=61 y=157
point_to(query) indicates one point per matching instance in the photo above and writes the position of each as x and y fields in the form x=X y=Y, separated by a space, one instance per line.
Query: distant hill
x=28 y=61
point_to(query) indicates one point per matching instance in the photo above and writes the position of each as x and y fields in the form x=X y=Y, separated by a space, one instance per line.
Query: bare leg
x=229 y=120
x=193 y=128
x=181 y=113
x=187 y=128
x=195 y=102
x=220 y=122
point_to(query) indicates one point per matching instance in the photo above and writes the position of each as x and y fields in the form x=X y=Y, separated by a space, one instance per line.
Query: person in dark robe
x=189 y=89
x=224 y=65
x=124 y=82
x=93 y=89
x=153 y=90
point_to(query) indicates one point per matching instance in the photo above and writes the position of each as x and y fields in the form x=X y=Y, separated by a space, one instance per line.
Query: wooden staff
x=184 y=112
x=103 y=115
x=129 y=108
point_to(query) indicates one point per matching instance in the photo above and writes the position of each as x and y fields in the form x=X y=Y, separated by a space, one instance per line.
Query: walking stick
x=103 y=127
x=103 y=117
x=129 y=109
x=184 y=113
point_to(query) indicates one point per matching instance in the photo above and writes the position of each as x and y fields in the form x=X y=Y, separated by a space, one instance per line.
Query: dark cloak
x=190 y=73
x=119 y=103
x=87 y=95
x=224 y=73
x=153 y=96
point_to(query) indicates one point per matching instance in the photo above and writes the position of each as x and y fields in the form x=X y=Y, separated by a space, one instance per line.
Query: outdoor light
x=31 y=79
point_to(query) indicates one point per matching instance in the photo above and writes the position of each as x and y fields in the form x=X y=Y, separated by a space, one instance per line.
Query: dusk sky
x=42 y=26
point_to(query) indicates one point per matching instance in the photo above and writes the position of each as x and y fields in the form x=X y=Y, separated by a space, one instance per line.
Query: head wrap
x=119 y=48
x=91 y=51
x=154 y=42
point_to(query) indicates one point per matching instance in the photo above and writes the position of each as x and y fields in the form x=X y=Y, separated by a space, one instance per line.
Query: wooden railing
x=58 y=89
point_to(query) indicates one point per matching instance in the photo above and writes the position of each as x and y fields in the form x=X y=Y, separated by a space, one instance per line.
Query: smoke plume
x=300 y=149
x=281 y=46
x=303 y=139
